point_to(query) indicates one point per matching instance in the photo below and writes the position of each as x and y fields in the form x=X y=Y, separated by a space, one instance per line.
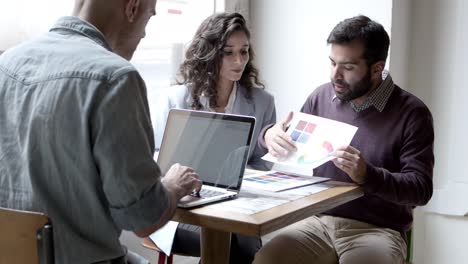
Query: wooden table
x=217 y=225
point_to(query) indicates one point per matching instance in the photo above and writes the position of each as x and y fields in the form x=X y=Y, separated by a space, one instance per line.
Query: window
x=159 y=54
x=23 y=19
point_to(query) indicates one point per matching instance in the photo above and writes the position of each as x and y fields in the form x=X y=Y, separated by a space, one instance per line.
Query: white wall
x=437 y=77
x=400 y=42
x=437 y=66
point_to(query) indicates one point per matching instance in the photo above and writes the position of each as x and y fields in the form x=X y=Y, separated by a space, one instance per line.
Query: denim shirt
x=76 y=141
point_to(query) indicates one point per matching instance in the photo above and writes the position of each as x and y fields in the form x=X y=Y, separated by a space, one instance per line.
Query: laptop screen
x=215 y=145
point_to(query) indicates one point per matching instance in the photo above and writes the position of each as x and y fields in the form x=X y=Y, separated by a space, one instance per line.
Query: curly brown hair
x=200 y=69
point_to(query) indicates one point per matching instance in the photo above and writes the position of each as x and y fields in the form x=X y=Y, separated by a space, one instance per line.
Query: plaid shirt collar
x=379 y=97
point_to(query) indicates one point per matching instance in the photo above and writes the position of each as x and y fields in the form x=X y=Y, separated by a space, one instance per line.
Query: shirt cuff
x=145 y=212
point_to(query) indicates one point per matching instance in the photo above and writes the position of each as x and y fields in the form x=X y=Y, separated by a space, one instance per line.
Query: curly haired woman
x=218 y=75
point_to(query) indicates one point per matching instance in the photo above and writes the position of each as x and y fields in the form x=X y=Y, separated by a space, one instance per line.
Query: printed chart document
x=253 y=200
x=276 y=181
x=316 y=139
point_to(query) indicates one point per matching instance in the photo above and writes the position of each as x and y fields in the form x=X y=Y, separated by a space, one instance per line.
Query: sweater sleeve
x=412 y=185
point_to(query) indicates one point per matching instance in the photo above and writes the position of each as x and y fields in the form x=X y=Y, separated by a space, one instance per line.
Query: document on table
x=276 y=181
x=316 y=139
x=251 y=200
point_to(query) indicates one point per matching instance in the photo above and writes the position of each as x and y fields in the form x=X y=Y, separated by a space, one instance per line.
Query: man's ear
x=131 y=9
x=378 y=68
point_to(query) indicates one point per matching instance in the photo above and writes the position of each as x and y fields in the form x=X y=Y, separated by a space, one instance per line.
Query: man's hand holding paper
x=311 y=141
x=279 y=143
x=349 y=160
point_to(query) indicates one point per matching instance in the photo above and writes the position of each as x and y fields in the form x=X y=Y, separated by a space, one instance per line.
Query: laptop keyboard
x=204 y=193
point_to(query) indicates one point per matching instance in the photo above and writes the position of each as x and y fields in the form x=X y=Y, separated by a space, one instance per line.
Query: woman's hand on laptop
x=181 y=180
x=278 y=142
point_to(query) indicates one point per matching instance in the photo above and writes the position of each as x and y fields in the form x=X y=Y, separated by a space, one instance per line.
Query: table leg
x=215 y=246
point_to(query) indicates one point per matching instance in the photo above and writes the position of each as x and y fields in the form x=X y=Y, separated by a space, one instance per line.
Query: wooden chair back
x=25 y=237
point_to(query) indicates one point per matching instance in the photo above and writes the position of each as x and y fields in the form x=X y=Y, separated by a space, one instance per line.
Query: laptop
x=215 y=145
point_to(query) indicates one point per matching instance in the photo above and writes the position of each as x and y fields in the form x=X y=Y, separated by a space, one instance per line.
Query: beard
x=354 y=90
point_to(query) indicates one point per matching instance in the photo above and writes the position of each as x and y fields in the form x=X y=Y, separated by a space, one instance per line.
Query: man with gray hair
x=76 y=139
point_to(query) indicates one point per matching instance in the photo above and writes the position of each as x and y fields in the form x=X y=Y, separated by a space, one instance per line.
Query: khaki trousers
x=332 y=240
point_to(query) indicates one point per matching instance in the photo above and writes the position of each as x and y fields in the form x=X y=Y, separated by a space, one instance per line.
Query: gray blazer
x=261 y=105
